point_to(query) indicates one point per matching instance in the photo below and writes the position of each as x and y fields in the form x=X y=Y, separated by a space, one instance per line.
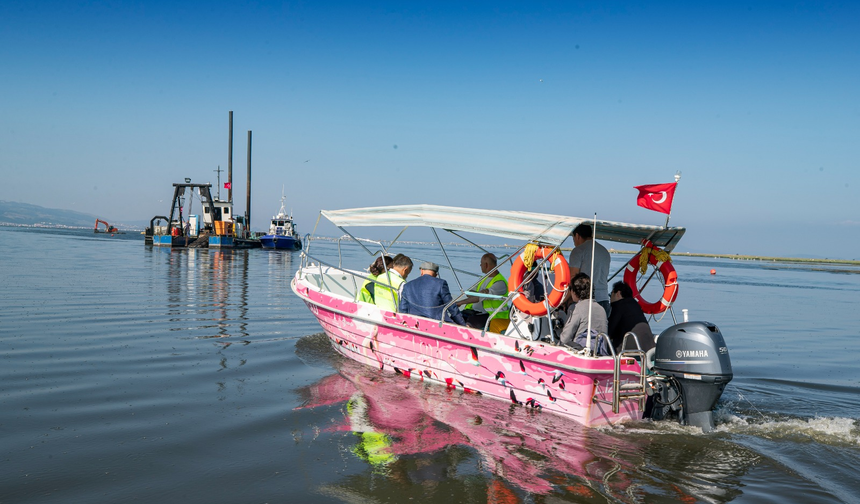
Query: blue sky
x=555 y=107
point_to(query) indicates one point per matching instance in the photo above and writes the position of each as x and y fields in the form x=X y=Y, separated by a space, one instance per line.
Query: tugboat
x=217 y=228
x=283 y=234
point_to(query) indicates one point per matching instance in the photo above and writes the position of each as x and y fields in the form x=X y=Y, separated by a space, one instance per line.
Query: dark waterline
x=132 y=373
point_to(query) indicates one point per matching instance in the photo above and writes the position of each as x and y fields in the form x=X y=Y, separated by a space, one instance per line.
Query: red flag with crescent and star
x=657 y=197
x=228 y=185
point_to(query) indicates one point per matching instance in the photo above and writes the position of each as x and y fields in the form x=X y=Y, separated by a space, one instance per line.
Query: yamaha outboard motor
x=692 y=367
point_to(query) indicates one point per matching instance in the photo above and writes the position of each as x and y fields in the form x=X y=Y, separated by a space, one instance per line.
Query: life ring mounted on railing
x=562 y=279
x=660 y=260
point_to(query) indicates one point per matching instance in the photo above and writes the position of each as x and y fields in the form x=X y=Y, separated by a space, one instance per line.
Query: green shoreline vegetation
x=740 y=257
x=735 y=257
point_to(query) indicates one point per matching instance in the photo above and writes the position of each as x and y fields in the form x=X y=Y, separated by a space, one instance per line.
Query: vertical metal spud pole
x=230 y=161
x=248 y=193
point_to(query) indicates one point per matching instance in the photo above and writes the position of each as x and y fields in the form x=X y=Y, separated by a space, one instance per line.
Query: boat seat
x=527 y=327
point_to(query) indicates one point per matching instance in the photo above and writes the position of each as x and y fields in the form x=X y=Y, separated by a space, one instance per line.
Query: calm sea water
x=130 y=373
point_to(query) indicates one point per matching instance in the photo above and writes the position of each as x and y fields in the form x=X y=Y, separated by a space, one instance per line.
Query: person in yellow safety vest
x=387 y=291
x=367 y=290
x=482 y=307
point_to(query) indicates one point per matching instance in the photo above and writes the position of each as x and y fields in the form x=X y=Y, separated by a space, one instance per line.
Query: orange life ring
x=670 y=278
x=562 y=279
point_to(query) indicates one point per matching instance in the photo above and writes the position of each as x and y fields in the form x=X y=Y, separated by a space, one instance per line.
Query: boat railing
x=306 y=257
x=466 y=292
x=306 y=246
x=380 y=250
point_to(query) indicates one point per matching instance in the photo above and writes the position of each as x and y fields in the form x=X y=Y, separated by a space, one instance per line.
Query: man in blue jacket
x=428 y=294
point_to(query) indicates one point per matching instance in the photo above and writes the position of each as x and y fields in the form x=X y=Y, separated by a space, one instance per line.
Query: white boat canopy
x=522 y=226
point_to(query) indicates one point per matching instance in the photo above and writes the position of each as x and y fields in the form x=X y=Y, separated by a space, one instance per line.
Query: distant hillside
x=24 y=214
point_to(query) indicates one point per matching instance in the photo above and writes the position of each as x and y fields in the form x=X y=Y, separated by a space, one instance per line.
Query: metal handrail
x=339 y=268
x=480 y=280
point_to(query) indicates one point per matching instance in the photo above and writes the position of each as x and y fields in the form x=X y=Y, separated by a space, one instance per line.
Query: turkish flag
x=228 y=185
x=657 y=197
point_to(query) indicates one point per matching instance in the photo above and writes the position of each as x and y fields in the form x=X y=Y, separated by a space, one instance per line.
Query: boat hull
x=170 y=241
x=530 y=374
x=280 y=242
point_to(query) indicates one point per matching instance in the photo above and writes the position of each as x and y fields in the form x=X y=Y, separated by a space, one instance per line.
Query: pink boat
x=519 y=367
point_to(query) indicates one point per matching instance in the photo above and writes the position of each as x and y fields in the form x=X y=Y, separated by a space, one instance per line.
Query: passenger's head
x=429 y=268
x=377 y=268
x=402 y=264
x=582 y=233
x=581 y=286
x=488 y=262
x=620 y=290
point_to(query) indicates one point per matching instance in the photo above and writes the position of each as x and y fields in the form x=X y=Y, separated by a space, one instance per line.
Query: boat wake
x=839 y=432
x=832 y=431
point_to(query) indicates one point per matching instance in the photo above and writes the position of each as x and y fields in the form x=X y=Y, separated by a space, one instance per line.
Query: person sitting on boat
x=627 y=316
x=387 y=289
x=365 y=294
x=577 y=320
x=482 y=307
x=428 y=294
x=580 y=261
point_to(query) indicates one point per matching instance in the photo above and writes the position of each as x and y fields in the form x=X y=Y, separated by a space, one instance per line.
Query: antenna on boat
x=677 y=178
x=218 y=171
x=283 y=211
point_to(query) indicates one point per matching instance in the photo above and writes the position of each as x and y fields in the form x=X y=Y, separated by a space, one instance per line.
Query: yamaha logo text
x=681 y=354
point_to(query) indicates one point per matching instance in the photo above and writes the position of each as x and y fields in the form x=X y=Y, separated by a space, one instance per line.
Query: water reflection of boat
x=282 y=234
x=405 y=425
x=417 y=420
x=516 y=366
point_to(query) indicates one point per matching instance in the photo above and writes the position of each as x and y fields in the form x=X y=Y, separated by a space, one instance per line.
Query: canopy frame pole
x=625 y=264
x=470 y=242
x=504 y=258
x=381 y=246
x=312 y=233
x=591 y=286
x=450 y=265
x=397 y=237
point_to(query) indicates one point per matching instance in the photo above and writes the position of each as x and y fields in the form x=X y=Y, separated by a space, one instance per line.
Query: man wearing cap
x=428 y=294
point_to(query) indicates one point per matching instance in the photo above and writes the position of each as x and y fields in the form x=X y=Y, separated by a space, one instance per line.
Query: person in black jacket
x=627 y=316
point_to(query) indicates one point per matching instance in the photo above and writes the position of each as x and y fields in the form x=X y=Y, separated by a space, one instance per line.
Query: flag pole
x=677 y=178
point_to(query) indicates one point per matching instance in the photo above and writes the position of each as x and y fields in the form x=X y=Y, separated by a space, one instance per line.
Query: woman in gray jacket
x=577 y=320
